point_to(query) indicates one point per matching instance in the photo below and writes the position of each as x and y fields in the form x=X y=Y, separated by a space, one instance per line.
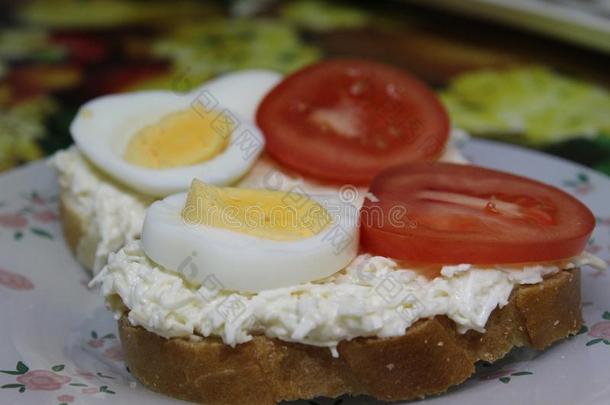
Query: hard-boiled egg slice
x=156 y=142
x=240 y=91
x=250 y=240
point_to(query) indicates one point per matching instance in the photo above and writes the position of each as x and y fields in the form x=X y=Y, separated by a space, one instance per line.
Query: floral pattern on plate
x=61 y=345
x=32 y=215
x=53 y=379
x=15 y=281
x=600 y=331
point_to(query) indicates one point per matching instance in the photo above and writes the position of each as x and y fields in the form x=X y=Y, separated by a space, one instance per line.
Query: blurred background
x=531 y=72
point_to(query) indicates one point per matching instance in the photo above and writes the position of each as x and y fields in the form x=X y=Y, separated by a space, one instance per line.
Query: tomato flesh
x=448 y=213
x=345 y=120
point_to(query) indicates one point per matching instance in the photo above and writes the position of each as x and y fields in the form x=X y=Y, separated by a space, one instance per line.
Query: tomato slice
x=448 y=213
x=345 y=120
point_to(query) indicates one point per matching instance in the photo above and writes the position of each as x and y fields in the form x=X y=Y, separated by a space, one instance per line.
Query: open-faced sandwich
x=383 y=272
x=131 y=149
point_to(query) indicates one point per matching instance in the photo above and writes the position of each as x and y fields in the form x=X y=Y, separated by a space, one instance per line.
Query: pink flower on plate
x=600 y=330
x=38 y=200
x=66 y=398
x=90 y=390
x=497 y=374
x=13 y=221
x=583 y=189
x=86 y=375
x=45 y=216
x=96 y=343
x=43 y=380
x=114 y=352
x=15 y=281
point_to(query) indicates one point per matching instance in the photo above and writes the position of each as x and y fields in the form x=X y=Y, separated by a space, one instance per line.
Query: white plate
x=58 y=344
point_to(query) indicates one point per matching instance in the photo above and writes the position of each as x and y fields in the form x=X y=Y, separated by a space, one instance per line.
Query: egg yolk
x=275 y=215
x=181 y=138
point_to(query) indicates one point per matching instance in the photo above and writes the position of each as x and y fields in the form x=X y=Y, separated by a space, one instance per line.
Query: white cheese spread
x=373 y=296
x=111 y=214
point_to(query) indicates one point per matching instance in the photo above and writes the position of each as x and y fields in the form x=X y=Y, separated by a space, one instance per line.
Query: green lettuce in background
x=187 y=42
x=21 y=129
x=220 y=45
x=537 y=107
x=534 y=103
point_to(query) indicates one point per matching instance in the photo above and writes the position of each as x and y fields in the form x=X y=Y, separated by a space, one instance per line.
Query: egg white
x=102 y=129
x=240 y=262
x=240 y=91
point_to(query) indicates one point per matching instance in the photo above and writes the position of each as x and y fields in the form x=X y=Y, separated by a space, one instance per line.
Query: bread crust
x=73 y=224
x=431 y=357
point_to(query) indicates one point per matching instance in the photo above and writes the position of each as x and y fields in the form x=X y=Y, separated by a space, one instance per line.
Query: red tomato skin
x=337 y=160
x=375 y=241
x=540 y=243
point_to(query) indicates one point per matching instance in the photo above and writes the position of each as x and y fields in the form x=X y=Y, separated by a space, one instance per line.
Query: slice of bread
x=431 y=357
x=73 y=223
x=427 y=360
x=98 y=215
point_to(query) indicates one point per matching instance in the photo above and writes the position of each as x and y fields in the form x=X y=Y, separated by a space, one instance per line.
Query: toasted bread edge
x=430 y=358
